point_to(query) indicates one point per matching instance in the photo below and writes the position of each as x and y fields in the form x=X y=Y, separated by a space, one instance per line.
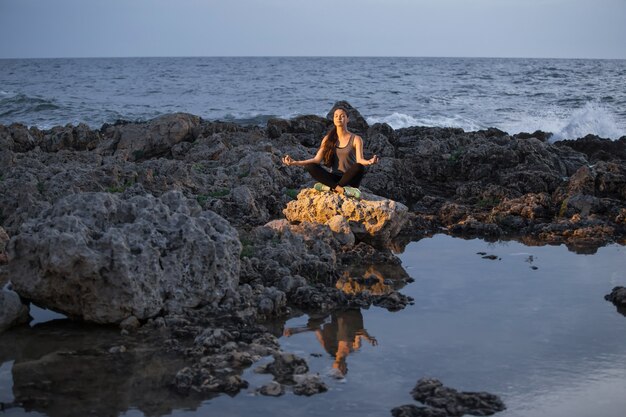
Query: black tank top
x=344 y=157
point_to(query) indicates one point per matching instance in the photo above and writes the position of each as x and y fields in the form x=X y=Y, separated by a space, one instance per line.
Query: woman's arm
x=317 y=159
x=358 y=147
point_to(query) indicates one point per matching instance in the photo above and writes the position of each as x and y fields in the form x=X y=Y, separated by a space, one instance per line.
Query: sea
x=567 y=97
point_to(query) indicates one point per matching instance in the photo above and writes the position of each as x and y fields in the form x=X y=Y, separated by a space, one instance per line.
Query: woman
x=342 y=151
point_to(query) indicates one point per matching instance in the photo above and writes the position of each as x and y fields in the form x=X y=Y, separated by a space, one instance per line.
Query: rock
x=285 y=366
x=272 y=389
x=372 y=219
x=130 y=323
x=341 y=227
x=411 y=410
x=213 y=339
x=203 y=380
x=118 y=349
x=272 y=302
x=538 y=134
x=102 y=258
x=617 y=297
x=309 y=385
x=393 y=301
x=137 y=141
x=289 y=284
x=79 y=138
x=432 y=392
x=12 y=311
x=598 y=149
x=18 y=138
x=280 y=249
x=308 y=130
x=356 y=122
x=4 y=239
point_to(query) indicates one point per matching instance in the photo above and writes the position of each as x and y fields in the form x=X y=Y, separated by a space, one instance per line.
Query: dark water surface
x=543 y=339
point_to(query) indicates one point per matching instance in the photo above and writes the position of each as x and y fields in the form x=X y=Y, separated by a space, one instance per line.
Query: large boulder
x=373 y=219
x=356 y=123
x=156 y=137
x=103 y=257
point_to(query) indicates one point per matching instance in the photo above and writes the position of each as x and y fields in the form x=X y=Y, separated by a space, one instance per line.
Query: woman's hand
x=287 y=160
x=374 y=160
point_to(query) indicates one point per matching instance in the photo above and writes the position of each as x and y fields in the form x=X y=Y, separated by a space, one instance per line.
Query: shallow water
x=543 y=339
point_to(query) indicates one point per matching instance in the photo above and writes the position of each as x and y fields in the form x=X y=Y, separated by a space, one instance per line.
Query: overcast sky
x=457 y=28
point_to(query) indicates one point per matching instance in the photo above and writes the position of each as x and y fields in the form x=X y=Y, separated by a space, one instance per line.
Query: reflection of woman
x=339 y=337
x=342 y=151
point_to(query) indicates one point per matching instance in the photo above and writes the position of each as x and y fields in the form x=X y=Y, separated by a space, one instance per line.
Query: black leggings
x=352 y=177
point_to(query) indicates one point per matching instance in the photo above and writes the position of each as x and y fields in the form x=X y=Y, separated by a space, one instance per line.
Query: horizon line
x=314 y=56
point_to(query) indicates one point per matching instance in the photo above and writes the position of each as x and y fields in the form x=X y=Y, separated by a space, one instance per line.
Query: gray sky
x=469 y=28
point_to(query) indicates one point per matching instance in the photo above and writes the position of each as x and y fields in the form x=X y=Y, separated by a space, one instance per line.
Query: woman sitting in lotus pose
x=341 y=151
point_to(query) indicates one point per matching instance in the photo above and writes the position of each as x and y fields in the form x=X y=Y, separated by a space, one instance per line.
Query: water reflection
x=61 y=368
x=343 y=332
x=340 y=333
x=376 y=279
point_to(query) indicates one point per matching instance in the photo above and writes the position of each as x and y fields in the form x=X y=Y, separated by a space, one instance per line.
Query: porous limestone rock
x=137 y=141
x=4 y=239
x=12 y=311
x=103 y=257
x=432 y=392
x=372 y=219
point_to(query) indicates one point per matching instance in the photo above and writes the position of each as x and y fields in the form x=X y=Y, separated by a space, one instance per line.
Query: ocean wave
x=21 y=104
x=400 y=120
x=592 y=118
x=248 y=119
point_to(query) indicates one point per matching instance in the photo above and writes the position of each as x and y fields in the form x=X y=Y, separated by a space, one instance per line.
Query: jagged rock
x=598 y=149
x=102 y=258
x=79 y=138
x=279 y=249
x=18 y=138
x=537 y=134
x=130 y=323
x=432 y=392
x=309 y=385
x=341 y=227
x=213 y=339
x=372 y=219
x=272 y=389
x=202 y=380
x=137 y=141
x=308 y=130
x=356 y=122
x=617 y=297
x=272 y=302
x=285 y=366
x=4 y=239
x=12 y=311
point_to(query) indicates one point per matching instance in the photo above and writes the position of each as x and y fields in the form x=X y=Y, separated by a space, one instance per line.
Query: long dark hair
x=328 y=149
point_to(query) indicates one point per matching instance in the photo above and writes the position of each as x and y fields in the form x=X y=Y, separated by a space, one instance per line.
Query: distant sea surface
x=568 y=97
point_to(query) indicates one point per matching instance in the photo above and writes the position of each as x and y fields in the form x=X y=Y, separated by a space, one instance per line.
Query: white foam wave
x=400 y=120
x=396 y=120
x=592 y=118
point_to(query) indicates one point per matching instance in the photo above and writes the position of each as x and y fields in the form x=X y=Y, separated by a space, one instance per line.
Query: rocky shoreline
x=193 y=232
